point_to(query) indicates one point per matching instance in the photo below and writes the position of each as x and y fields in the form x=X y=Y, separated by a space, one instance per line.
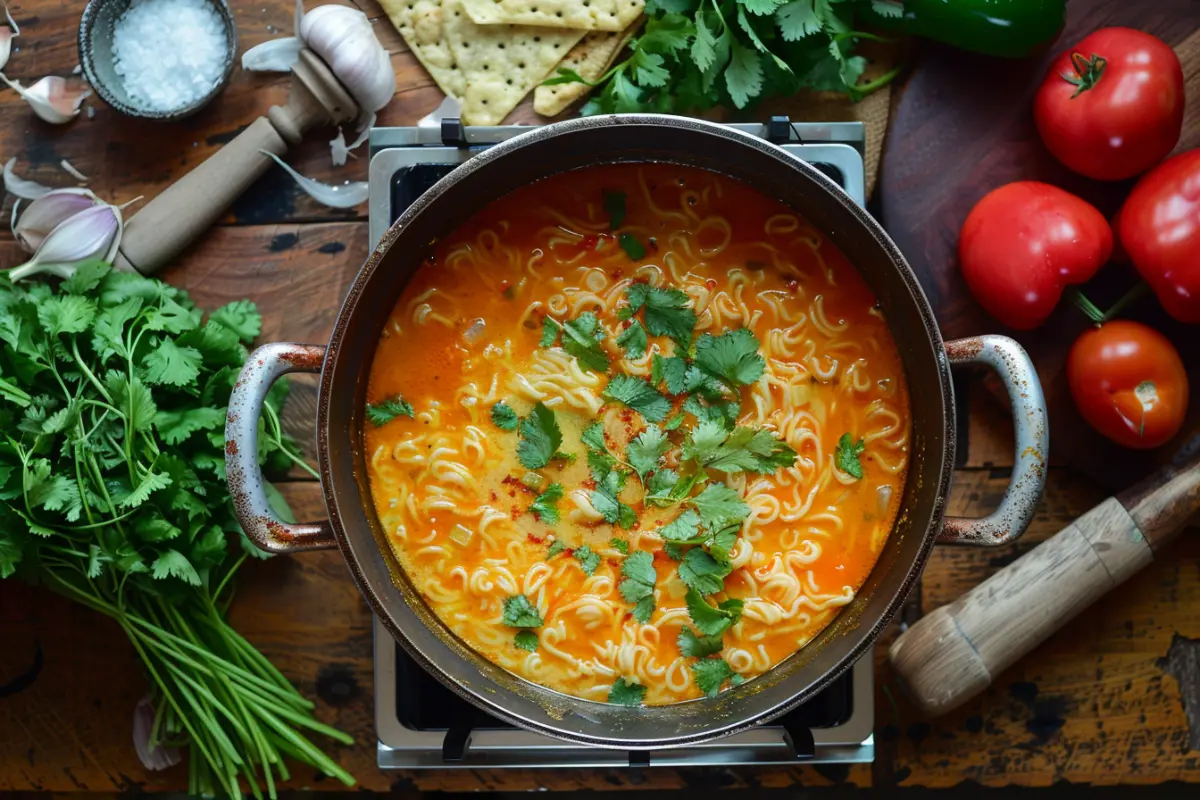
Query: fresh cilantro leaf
x=704 y=46
x=388 y=409
x=600 y=464
x=666 y=312
x=643 y=610
x=566 y=75
x=520 y=613
x=702 y=572
x=556 y=547
x=581 y=338
x=86 y=277
x=66 y=314
x=640 y=567
x=746 y=23
x=674 y=422
x=660 y=486
x=634 y=340
x=176 y=426
x=709 y=620
x=657 y=7
x=742 y=449
x=593 y=436
x=683 y=529
x=588 y=559
x=674 y=551
x=846 y=456
x=540 y=438
x=151 y=482
x=888 y=8
x=724 y=414
x=614 y=206
x=744 y=75
x=503 y=417
x=647 y=449
x=175 y=564
x=626 y=694
x=797 y=19
x=711 y=674
x=693 y=646
x=637 y=586
x=620 y=545
x=545 y=507
x=732 y=356
x=761 y=7
x=638 y=395
x=632 y=247
x=604 y=499
x=720 y=506
x=241 y=317
x=171 y=364
x=526 y=640
x=550 y=329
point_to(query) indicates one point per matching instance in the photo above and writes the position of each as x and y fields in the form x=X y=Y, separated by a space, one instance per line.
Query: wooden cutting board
x=964 y=126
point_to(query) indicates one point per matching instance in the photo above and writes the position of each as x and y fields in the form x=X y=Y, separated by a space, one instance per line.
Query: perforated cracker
x=591 y=58
x=592 y=15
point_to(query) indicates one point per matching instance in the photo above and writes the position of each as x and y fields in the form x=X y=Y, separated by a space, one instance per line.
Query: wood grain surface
x=1103 y=702
x=963 y=127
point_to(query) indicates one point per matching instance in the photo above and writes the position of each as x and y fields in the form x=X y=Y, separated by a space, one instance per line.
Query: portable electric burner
x=421 y=723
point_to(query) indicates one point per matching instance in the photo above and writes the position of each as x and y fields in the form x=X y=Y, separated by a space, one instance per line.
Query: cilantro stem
x=87 y=372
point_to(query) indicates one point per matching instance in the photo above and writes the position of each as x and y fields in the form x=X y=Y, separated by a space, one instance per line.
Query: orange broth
x=465 y=334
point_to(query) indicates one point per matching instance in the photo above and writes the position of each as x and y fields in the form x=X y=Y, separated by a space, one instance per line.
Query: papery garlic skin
x=92 y=234
x=50 y=98
x=48 y=212
x=6 y=37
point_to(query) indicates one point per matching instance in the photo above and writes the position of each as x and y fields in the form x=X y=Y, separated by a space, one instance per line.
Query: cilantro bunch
x=113 y=392
x=694 y=55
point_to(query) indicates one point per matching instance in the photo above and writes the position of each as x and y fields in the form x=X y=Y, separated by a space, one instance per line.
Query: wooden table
x=1107 y=701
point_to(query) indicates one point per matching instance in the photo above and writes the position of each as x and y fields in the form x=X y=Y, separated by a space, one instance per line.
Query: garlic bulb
x=344 y=38
x=6 y=37
x=48 y=212
x=90 y=235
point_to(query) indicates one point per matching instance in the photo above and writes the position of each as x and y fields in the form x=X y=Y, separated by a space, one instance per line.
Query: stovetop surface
x=419 y=721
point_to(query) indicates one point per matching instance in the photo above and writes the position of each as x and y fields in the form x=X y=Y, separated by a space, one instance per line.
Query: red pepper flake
x=589 y=242
x=516 y=512
x=493 y=497
x=616 y=275
x=588 y=483
x=515 y=484
x=534 y=539
x=711 y=283
x=793 y=286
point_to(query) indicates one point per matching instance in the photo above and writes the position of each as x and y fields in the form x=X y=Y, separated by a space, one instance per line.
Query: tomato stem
x=1088 y=72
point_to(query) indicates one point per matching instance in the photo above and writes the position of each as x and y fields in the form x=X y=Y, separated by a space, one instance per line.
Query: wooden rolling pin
x=955 y=652
x=171 y=221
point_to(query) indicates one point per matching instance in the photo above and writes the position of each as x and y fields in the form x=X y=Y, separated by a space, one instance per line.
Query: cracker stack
x=490 y=53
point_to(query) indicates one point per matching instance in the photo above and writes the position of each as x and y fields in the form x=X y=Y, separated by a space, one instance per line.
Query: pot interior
x=586 y=143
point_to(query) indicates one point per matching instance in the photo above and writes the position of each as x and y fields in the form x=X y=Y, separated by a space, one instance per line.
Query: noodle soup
x=636 y=433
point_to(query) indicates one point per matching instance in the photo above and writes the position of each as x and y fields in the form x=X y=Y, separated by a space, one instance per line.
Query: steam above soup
x=637 y=433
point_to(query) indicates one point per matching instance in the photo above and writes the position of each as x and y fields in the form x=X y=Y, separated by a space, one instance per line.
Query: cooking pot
x=344 y=364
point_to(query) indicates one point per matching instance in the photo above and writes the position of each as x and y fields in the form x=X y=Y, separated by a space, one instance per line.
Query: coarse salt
x=169 y=53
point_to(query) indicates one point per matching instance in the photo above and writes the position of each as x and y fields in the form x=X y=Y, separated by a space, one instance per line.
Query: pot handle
x=1012 y=365
x=246 y=483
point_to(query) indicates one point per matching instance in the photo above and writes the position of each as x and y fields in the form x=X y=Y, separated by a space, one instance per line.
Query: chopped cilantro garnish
x=712 y=621
x=593 y=436
x=638 y=395
x=504 y=417
x=604 y=500
x=385 y=411
x=693 y=646
x=674 y=551
x=711 y=674
x=632 y=247
x=683 y=529
x=556 y=547
x=845 y=457
x=520 y=613
x=540 y=438
x=720 y=506
x=620 y=545
x=732 y=356
x=645 y=451
x=545 y=507
x=724 y=413
x=626 y=694
x=580 y=337
x=702 y=572
x=742 y=449
x=614 y=206
x=666 y=312
x=660 y=487
x=588 y=559
x=674 y=422
x=634 y=340
x=600 y=464
x=637 y=586
x=526 y=640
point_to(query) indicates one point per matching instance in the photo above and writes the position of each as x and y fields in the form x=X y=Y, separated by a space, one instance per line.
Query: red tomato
x=1023 y=243
x=1128 y=383
x=1159 y=227
x=1111 y=107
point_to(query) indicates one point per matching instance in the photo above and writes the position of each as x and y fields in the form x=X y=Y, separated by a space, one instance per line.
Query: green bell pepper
x=1009 y=28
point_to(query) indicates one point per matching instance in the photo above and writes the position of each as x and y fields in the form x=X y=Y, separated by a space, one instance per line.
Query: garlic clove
x=20 y=187
x=6 y=37
x=348 y=195
x=50 y=98
x=276 y=55
x=94 y=233
x=48 y=212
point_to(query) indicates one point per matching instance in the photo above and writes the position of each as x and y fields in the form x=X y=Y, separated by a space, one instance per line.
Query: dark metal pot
x=345 y=362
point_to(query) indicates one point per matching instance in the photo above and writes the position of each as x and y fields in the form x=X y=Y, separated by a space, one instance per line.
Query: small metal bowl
x=96 y=59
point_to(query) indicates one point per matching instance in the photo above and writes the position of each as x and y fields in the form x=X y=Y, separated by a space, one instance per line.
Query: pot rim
x=492 y=703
